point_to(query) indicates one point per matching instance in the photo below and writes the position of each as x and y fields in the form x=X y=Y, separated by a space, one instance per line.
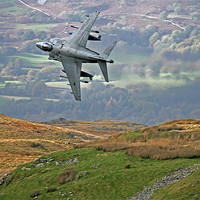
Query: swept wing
x=80 y=36
x=72 y=69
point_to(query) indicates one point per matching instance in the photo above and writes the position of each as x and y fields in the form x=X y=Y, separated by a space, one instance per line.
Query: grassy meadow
x=36 y=60
x=37 y=27
x=13 y=8
x=99 y=175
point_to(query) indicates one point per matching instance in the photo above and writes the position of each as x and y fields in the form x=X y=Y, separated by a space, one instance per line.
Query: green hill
x=95 y=175
x=99 y=172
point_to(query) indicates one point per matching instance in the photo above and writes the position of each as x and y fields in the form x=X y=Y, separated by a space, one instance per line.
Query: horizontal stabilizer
x=103 y=67
x=85 y=74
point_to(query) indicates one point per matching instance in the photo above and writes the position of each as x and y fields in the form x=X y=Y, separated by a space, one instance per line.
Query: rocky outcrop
x=166 y=180
x=3 y=180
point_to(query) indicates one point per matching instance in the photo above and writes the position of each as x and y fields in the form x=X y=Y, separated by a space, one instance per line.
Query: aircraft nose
x=45 y=46
x=39 y=45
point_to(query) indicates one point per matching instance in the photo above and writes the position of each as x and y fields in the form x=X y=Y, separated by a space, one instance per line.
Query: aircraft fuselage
x=85 y=55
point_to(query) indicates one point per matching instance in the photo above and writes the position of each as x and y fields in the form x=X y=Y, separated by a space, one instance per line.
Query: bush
x=35 y=194
x=36 y=145
x=52 y=189
x=127 y=166
x=68 y=175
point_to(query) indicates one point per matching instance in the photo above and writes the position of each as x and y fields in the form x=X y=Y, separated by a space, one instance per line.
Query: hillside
x=175 y=139
x=118 y=10
x=116 y=168
x=23 y=141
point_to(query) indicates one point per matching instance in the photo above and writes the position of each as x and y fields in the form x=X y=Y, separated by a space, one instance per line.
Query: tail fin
x=103 y=64
x=108 y=50
x=103 y=67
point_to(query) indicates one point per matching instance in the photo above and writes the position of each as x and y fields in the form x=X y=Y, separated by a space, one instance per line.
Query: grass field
x=6 y=97
x=60 y=84
x=154 y=82
x=2 y=85
x=36 y=60
x=14 y=82
x=2 y=100
x=131 y=57
x=106 y=177
x=38 y=27
x=14 y=9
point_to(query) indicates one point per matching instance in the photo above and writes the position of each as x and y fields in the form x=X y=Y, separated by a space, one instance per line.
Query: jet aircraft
x=72 y=52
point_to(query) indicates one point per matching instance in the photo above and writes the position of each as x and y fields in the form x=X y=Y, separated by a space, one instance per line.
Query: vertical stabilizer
x=103 y=67
x=108 y=50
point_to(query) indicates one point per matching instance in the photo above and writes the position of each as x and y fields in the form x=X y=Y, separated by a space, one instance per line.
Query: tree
x=41 y=35
x=178 y=36
x=13 y=67
x=29 y=35
x=29 y=46
x=163 y=15
x=153 y=38
x=178 y=10
x=195 y=16
x=39 y=89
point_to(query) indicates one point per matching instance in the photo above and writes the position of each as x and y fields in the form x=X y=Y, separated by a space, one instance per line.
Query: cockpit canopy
x=56 y=40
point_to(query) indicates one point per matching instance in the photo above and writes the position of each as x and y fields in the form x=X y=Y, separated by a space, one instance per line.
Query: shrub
x=127 y=166
x=52 y=189
x=35 y=193
x=66 y=176
x=36 y=145
x=110 y=146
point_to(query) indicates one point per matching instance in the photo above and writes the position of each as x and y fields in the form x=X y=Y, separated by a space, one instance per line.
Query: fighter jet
x=72 y=52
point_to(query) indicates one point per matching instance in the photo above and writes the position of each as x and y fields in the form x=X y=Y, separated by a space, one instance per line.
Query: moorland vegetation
x=116 y=168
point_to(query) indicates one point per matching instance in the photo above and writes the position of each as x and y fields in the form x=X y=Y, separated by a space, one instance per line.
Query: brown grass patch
x=52 y=189
x=35 y=194
x=161 y=153
x=176 y=139
x=68 y=175
x=107 y=145
x=166 y=148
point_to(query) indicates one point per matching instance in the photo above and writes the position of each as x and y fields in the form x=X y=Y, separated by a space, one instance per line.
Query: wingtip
x=97 y=12
x=78 y=98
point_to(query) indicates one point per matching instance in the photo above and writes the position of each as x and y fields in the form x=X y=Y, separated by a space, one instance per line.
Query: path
x=163 y=20
x=33 y=8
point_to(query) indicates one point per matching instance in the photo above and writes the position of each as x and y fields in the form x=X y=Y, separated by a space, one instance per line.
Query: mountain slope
x=23 y=141
x=87 y=174
x=114 y=170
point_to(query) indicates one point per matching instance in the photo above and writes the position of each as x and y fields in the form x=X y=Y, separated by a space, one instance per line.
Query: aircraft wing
x=72 y=69
x=80 y=36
